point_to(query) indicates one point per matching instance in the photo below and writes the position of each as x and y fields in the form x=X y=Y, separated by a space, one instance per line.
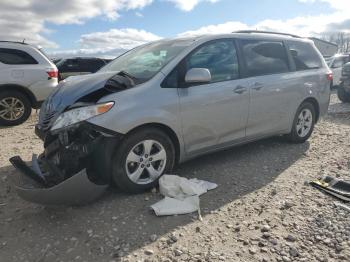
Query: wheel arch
x=167 y=130
x=316 y=105
x=21 y=89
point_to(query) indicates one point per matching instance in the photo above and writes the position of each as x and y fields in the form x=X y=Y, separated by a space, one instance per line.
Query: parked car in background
x=56 y=60
x=27 y=77
x=107 y=60
x=79 y=66
x=344 y=87
x=336 y=64
x=172 y=100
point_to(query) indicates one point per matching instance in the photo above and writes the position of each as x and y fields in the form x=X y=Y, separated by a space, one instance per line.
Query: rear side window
x=264 y=57
x=16 y=57
x=305 y=56
x=68 y=65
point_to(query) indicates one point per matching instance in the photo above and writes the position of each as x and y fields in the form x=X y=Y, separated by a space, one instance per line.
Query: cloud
x=115 y=40
x=27 y=18
x=224 y=28
x=188 y=5
x=337 y=19
x=138 y=14
x=126 y=38
x=109 y=44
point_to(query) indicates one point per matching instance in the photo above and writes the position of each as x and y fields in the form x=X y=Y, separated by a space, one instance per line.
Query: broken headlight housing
x=80 y=114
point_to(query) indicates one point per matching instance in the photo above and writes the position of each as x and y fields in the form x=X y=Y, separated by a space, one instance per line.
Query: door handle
x=240 y=90
x=257 y=86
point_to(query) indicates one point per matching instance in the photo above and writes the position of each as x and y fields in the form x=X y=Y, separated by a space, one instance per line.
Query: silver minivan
x=166 y=102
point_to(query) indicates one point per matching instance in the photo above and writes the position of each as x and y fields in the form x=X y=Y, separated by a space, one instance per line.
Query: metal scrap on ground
x=336 y=187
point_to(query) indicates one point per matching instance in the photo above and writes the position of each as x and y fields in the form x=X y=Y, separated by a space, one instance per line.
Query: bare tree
x=341 y=39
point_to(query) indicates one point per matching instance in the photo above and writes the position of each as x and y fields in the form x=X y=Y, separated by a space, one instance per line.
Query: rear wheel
x=343 y=95
x=303 y=124
x=15 y=108
x=141 y=159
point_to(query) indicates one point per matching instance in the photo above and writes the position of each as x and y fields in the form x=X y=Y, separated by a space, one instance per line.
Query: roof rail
x=264 y=32
x=15 y=42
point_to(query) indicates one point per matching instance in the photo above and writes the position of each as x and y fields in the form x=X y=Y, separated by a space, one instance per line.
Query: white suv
x=27 y=77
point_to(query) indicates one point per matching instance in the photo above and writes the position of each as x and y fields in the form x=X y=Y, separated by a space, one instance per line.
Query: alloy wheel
x=11 y=108
x=146 y=162
x=304 y=123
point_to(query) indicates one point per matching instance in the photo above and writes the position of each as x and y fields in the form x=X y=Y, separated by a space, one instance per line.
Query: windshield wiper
x=124 y=73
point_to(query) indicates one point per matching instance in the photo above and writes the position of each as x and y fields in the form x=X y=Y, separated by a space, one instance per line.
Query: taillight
x=330 y=76
x=53 y=73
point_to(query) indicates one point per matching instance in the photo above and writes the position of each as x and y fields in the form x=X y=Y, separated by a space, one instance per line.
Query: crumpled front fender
x=76 y=190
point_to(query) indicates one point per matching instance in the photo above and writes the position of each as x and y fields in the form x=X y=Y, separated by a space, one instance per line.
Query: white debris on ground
x=181 y=195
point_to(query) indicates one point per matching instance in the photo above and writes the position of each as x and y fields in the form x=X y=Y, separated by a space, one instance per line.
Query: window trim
x=35 y=62
x=182 y=68
x=244 y=61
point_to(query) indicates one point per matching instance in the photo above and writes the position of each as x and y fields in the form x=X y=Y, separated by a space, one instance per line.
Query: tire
x=133 y=147
x=343 y=95
x=22 y=108
x=301 y=132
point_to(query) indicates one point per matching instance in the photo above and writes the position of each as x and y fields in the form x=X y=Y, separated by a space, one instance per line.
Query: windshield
x=146 y=61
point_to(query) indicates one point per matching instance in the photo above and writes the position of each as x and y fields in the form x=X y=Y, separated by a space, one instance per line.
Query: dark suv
x=79 y=66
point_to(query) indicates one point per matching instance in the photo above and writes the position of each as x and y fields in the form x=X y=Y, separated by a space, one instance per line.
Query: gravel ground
x=263 y=209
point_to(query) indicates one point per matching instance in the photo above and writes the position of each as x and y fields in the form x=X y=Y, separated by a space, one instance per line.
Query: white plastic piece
x=172 y=206
x=181 y=195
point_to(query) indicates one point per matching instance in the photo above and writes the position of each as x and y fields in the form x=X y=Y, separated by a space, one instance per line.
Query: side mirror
x=197 y=76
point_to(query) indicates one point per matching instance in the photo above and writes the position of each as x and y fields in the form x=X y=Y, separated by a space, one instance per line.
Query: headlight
x=80 y=114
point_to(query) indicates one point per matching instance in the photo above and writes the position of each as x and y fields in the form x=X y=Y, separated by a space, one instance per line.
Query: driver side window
x=220 y=57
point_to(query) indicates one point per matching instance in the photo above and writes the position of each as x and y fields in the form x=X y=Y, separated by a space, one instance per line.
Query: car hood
x=68 y=92
x=75 y=87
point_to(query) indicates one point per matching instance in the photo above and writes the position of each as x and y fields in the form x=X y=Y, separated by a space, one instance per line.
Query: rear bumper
x=31 y=186
x=43 y=89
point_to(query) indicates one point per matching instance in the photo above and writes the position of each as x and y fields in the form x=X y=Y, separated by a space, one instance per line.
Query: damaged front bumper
x=76 y=190
x=74 y=169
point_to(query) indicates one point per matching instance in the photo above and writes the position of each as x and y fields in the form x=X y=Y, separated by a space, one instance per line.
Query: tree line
x=341 y=39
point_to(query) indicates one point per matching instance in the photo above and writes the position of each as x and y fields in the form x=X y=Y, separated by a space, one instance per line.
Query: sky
x=108 y=27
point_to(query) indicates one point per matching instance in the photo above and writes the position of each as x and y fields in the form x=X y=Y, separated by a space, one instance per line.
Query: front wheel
x=141 y=159
x=303 y=124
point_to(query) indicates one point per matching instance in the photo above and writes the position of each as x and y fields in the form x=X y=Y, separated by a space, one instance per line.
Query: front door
x=214 y=114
